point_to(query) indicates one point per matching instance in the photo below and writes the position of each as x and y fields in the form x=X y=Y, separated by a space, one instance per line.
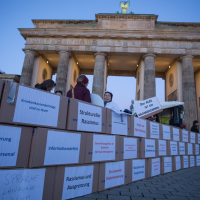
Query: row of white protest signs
x=79 y=180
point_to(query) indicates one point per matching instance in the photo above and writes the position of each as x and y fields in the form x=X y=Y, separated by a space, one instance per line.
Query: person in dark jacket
x=47 y=85
x=177 y=124
x=171 y=121
x=195 y=127
x=80 y=91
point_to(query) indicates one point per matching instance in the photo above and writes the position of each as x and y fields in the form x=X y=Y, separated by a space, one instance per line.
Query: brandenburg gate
x=135 y=45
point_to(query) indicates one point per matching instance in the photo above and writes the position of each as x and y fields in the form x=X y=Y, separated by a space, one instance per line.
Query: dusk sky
x=18 y=14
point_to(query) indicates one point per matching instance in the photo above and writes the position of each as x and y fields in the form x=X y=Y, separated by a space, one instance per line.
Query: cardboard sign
x=166 y=132
x=162 y=148
x=77 y=181
x=155 y=168
x=89 y=118
x=154 y=130
x=185 y=162
x=198 y=138
x=197 y=160
x=192 y=137
x=192 y=164
x=139 y=127
x=173 y=148
x=181 y=148
x=176 y=136
x=190 y=149
x=114 y=174
x=196 y=149
x=36 y=107
x=22 y=184
x=150 y=149
x=103 y=147
x=167 y=164
x=178 y=162
x=147 y=107
x=138 y=169
x=184 y=136
x=9 y=145
x=119 y=124
x=130 y=148
x=62 y=148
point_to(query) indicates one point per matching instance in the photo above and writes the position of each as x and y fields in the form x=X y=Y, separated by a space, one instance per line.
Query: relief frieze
x=58 y=41
x=173 y=46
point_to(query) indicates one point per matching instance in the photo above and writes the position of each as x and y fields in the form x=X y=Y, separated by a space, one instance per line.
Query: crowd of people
x=81 y=92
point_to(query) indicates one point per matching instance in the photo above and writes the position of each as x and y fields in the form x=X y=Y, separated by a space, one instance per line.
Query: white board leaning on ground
x=146 y=107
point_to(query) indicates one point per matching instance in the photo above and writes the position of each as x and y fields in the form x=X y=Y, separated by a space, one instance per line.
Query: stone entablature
x=114 y=45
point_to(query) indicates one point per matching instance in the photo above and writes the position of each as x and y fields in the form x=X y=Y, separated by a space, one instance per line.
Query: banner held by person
x=147 y=108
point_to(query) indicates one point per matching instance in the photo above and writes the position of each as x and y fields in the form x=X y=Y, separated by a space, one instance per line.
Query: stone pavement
x=180 y=185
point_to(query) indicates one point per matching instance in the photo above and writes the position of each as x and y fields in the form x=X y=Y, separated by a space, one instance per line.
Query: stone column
x=99 y=75
x=189 y=93
x=62 y=71
x=149 y=76
x=27 y=69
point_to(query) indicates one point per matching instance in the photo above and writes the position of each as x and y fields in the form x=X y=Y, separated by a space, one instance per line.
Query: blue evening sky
x=18 y=14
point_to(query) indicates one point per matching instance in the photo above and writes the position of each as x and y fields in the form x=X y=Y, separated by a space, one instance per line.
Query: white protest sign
x=166 y=132
x=173 y=148
x=167 y=164
x=178 y=162
x=150 y=149
x=162 y=148
x=181 y=148
x=198 y=135
x=36 y=107
x=190 y=149
x=62 y=148
x=192 y=137
x=119 y=124
x=184 y=136
x=103 y=147
x=77 y=181
x=89 y=118
x=154 y=130
x=138 y=169
x=130 y=148
x=155 y=167
x=140 y=126
x=176 y=136
x=22 y=184
x=192 y=161
x=196 y=149
x=114 y=174
x=9 y=145
x=147 y=107
x=197 y=160
x=185 y=162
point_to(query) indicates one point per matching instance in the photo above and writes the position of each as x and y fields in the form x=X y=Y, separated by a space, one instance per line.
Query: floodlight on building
x=47 y=61
x=137 y=65
x=77 y=63
x=169 y=66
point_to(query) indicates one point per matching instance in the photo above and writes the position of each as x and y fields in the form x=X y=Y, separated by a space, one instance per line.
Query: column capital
x=186 y=56
x=65 y=52
x=100 y=53
x=149 y=55
x=31 y=51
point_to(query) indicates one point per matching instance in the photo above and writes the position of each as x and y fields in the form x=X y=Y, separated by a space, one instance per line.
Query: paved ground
x=183 y=185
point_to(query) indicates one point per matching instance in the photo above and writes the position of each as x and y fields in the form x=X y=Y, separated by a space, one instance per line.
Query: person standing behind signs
x=47 y=85
x=108 y=103
x=80 y=91
x=194 y=128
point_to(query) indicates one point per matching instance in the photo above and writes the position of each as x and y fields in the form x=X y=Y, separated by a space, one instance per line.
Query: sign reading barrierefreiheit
x=146 y=107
